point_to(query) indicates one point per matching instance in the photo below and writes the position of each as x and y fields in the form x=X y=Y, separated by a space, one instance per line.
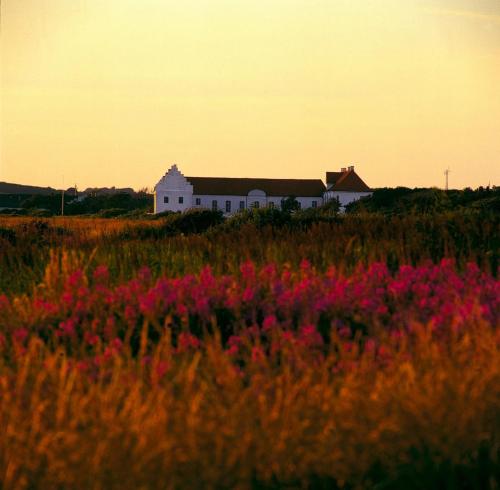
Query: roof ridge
x=250 y=178
x=346 y=182
x=343 y=176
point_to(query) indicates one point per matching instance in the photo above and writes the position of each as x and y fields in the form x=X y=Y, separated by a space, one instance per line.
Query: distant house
x=175 y=192
x=346 y=186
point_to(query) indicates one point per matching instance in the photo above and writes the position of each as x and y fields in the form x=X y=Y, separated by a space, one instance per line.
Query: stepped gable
x=226 y=186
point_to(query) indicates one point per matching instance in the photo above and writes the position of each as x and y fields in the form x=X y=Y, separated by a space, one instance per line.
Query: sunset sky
x=112 y=92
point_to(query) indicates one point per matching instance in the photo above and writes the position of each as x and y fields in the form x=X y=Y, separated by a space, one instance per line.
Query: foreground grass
x=315 y=380
x=372 y=364
x=425 y=417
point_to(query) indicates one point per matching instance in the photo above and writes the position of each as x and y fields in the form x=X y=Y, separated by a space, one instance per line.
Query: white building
x=346 y=186
x=175 y=192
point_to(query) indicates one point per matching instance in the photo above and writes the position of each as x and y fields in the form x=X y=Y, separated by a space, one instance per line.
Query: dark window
x=165 y=199
x=299 y=205
x=242 y=204
x=181 y=200
x=315 y=204
x=228 y=206
x=214 y=205
x=256 y=204
x=198 y=201
x=271 y=204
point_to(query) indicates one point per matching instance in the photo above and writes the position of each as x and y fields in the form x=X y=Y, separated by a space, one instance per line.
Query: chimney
x=351 y=167
x=343 y=169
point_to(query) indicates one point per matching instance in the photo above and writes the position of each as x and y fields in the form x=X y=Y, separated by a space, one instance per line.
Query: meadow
x=350 y=352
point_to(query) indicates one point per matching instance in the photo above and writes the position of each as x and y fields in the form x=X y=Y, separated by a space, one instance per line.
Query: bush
x=260 y=218
x=163 y=214
x=191 y=222
x=290 y=204
x=8 y=235
x=111 y=213
x=403 y=200
x=120 y=200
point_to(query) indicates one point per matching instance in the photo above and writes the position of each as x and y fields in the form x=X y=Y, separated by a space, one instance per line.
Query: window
x=315 y=204
x=181 y=199
x=228 y=206
x=198 y=201
x=214 y=205
x=165 y=199
x=256 y=204
x=271 y=204
x=299 y=205
x=242 y=204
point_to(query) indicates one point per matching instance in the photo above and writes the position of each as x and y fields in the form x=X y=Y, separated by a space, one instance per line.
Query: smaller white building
x=346 y=186
x=175 y=192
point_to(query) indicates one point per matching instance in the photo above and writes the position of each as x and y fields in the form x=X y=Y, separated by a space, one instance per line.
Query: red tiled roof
x=242 y=186
x=332 y=177
x=348 y=181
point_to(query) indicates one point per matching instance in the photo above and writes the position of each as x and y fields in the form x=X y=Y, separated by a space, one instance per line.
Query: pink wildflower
x=68 y=327
x=258 y=355
x=187 y=341
x=248 y=294
x=20 y=334
x=161 y=368
x=101 y=274
x=269 y=323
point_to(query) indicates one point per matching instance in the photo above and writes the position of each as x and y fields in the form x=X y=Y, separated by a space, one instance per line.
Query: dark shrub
x=111 y=213
x=8 y=235
x=192 y=221
x=290 y=204
x=260 y=218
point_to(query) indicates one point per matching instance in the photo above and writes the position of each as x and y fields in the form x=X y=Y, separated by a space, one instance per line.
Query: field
x=351 y=352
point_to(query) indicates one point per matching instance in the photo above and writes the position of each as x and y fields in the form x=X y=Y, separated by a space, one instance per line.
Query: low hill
x=10 y=188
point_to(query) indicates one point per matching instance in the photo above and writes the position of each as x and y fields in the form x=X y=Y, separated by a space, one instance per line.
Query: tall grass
x=344 y=242
x=358 y=353
x=426 y=420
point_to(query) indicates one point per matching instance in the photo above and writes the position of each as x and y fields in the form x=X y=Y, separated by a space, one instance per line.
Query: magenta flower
x=187 y=341
x=269 y=323
x=20 y=334
x=258 y=355
x=101 y=274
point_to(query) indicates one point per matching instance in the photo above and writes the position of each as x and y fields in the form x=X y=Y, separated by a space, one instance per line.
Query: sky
x=113 y=92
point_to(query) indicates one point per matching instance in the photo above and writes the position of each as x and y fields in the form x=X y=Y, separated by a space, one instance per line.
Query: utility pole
x=446 y=173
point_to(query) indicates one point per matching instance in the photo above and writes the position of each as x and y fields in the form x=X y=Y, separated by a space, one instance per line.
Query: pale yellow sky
x=112 y=92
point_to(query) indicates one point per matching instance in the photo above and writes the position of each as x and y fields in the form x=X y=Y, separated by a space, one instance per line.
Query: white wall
x=307 y=202
x=206 y=202
x=345 y=197
x=174 y=186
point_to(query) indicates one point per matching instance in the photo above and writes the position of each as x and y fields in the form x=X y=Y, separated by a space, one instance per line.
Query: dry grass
x=429 y=419
x=420 y=411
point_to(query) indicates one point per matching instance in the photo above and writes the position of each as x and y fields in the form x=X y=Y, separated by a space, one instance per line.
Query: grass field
x=354 y=352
